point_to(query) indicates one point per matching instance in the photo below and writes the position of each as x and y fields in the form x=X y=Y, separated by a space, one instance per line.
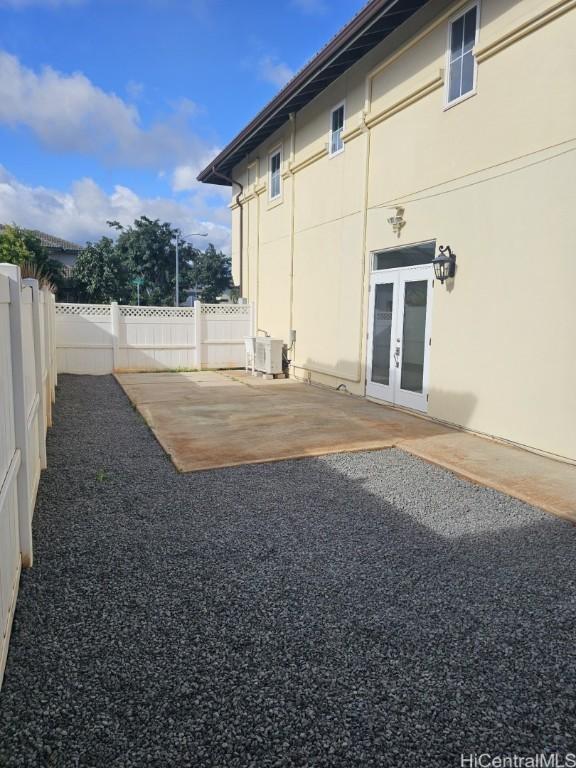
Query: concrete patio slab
x=537 y=480
x=208 y=420
x=246 y=420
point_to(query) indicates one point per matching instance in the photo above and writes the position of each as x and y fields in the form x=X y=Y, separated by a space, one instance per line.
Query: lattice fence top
x=129 y=311
x=226 y=309
x=92 y=310
x=101 y=310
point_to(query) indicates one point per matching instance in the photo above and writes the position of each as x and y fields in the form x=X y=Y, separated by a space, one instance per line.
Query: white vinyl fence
x=27 y=390
x=99 y=339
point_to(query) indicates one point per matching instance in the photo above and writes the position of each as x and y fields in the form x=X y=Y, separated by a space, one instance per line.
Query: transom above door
x=398 y=355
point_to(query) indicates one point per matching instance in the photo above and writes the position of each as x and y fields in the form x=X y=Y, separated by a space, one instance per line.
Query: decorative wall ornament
x=397 y=221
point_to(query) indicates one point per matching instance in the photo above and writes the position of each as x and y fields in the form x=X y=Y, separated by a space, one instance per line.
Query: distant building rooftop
x=51 y=241
x=64 y=251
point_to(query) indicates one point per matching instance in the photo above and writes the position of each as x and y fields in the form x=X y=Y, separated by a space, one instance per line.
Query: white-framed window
x=336 y=143
x=275 y=173
x=461 y=64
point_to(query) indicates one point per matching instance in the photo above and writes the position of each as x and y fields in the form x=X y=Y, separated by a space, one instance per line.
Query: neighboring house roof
x=53 y=242
x=368 y=28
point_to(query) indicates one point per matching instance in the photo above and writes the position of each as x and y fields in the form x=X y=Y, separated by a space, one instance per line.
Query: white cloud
x=311 y=7
x=184 y=176
x=274 y=71
x=68 y=113
x=81 y=213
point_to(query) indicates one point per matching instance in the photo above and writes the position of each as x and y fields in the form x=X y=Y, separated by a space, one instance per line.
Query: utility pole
x=177 y=304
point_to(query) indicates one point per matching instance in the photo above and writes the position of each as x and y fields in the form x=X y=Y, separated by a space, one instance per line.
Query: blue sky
x=108 y=108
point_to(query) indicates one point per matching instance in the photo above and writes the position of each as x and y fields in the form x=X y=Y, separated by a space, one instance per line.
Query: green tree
x=23 y=247
x=210 y=271
x=13 y=248
x=148 y=248
x=101 y=275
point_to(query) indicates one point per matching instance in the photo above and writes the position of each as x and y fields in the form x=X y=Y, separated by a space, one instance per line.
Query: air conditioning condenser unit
x=268 y=355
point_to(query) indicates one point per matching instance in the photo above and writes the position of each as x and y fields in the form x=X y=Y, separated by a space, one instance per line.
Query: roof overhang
x=377 y=20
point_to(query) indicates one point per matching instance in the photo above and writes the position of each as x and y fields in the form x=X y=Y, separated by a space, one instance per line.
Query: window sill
x=459 y=100
x=275 y=201
x=335 y=154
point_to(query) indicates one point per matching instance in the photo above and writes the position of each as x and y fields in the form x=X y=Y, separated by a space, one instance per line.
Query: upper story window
x=275 y=180
x=461 y=63
x=337 y=129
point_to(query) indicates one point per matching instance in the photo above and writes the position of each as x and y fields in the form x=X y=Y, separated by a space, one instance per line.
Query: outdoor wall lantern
x=444 y=263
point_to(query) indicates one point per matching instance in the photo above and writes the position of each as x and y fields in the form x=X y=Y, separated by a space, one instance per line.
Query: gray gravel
x=363 y=609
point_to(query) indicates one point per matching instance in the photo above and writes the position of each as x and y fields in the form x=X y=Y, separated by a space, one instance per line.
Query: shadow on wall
x=450 y=406
x=417 y=67
x=84 y=339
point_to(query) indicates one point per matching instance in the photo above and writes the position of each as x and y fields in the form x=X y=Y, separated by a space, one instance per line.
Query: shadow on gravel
x=362 y=609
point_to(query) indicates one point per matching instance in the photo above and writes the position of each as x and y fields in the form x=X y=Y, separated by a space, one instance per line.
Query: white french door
x=399 y=336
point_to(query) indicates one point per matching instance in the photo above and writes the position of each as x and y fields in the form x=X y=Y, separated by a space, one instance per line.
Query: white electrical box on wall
x=268 y=357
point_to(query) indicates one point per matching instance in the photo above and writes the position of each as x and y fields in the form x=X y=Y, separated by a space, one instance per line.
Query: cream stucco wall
x=493 y=176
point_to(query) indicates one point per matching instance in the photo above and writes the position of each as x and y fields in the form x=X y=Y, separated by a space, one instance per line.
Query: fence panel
x=31 y=394
x=84 y=338
x=151 y=338
x=26 y=351
x=156 y=338
x=43 y=362
x=9 y=465
x=223 y=329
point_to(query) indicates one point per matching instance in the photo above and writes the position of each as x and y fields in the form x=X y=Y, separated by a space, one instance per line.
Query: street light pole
x=191 y=234
x=177 y=304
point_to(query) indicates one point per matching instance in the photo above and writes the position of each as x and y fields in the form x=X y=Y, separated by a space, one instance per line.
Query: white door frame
x=393 y=393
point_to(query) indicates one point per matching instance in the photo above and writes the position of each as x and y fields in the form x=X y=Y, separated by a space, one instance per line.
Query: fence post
x=115 y=318
x=198 y=335
x=41 y=413
x=53 y=346
x=20 y=416
x=47 y=309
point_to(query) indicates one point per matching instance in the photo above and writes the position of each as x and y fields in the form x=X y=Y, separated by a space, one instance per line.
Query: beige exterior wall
x=494 y=177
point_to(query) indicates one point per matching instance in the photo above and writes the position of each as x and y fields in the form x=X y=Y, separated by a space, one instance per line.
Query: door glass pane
x=414 y=335
x=408 y=256
x=382 y=332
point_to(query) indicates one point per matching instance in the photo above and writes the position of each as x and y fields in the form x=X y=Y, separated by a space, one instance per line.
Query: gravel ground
x=361 y=609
